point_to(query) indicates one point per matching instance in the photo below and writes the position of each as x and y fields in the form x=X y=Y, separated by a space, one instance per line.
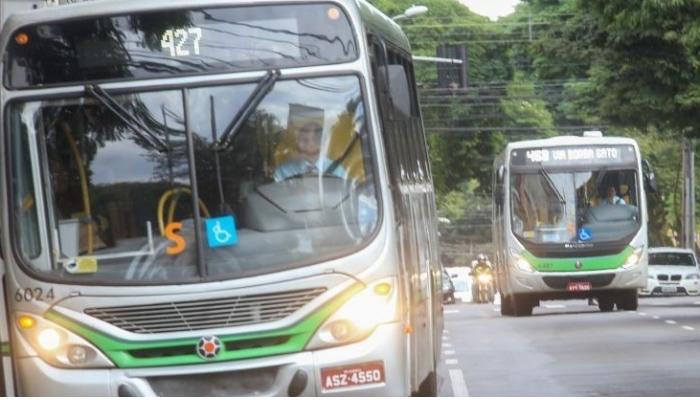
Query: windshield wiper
x=251 y=103
x=123 y=114
x=552 y=185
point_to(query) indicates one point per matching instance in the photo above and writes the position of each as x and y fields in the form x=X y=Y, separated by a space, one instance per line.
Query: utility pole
x=688 y=211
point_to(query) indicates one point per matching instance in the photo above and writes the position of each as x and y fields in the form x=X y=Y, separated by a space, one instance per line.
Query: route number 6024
x=32 y=294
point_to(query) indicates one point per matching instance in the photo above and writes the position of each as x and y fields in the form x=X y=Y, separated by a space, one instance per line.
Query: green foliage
x=631 y=68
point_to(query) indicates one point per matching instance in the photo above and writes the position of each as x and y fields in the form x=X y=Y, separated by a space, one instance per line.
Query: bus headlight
x=521 y=263
x=359 y=316
x=59 y=346
x=633 y=259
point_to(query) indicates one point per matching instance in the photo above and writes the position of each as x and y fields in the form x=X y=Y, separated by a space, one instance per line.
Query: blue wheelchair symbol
x=584 y=234
x=221 y=232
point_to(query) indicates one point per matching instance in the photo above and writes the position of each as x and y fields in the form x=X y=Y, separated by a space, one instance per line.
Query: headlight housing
x=634 y=258
x=57 y=345
x=357 y=318
x=520 y=263
x=692 y=276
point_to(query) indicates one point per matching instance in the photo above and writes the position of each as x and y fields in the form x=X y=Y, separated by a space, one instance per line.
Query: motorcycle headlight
x=633 y=259
x=692 y=276
x=357 y=318
x=485 y=278
x=521 y=263
x=59 y=346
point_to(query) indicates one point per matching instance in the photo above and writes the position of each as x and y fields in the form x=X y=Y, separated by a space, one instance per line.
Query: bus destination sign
x=574 y=155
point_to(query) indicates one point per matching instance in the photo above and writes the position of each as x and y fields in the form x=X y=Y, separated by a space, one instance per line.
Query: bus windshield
x=582 y=206
x=152 y=196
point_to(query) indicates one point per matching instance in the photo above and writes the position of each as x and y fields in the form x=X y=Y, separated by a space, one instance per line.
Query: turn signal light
x=382 y=289
x=26 y=322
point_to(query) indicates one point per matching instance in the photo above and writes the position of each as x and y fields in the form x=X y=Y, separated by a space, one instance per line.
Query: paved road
x=568 y=348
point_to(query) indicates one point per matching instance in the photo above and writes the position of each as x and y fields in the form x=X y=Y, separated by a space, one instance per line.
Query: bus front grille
x=254 y=382
x=202 y=314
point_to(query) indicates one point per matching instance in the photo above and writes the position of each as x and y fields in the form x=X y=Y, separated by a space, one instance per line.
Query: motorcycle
x=483 y=289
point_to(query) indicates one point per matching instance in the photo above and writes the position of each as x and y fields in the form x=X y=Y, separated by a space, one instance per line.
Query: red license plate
x=368 y=373
x=578 y=286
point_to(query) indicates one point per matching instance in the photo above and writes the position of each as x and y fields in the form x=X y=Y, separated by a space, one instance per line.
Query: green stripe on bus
x=5 y=348
x=121 y=352
x=596 y=263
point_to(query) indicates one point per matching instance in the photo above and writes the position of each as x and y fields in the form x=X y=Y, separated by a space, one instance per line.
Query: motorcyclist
x=480 y=266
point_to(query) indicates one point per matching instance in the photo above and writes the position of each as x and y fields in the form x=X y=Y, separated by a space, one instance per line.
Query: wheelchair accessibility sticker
x=584 y=234
x=221 y=232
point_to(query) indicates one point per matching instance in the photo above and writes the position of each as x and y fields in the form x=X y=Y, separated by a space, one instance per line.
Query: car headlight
x=633 y=259
x=59 y=346
x=521 y=263
x=692 y=276
x=485 y=278
x=357 y=318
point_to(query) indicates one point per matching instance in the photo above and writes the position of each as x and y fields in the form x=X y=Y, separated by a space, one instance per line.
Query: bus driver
x=308 y=160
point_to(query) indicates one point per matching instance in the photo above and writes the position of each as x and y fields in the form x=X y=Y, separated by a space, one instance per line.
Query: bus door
x=390 y=78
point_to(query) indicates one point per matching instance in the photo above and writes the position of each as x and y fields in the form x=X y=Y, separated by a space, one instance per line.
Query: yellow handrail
x=83 y=186
x=171 y=209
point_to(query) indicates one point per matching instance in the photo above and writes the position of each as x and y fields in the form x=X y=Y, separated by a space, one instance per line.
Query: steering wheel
x=351 y=209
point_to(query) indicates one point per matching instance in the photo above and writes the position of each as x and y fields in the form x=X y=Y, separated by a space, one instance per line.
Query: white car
x=463 y=283
x=672 y=271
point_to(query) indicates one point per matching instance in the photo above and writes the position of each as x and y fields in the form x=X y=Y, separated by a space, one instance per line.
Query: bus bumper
x=297 y=374
x=557 y=283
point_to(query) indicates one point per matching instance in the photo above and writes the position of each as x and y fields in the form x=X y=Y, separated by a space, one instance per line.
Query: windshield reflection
x=293 y=186
x=564 y=207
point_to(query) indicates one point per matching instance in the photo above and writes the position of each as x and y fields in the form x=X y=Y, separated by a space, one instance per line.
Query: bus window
x=294 y=178
x=112 y=193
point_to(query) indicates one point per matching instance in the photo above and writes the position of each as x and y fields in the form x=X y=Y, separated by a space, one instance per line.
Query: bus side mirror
x=498 y=187
x=650 y=182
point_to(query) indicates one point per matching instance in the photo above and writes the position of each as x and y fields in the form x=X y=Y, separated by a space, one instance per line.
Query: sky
x=491 y=8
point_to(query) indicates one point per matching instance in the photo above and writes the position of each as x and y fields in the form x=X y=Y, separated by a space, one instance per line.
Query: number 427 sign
x=181 y=42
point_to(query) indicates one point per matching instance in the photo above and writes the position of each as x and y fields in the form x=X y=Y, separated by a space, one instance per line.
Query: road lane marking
x=459 y=387
x=496 y=309
x=445 y=338
x=688 y=328
x=670 y=322
x=445 y=331
x=554 y=306
x=451 y=311
x=451 y=361
x=449 y=352
x=643 y=314
x=696 y=303
x=655 y=316
x=447 y=345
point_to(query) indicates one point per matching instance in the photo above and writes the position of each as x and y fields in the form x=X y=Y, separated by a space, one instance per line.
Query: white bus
x=211 y=197
x=570 y=221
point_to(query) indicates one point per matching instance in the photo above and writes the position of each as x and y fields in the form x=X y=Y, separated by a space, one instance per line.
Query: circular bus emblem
x=209 y=347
